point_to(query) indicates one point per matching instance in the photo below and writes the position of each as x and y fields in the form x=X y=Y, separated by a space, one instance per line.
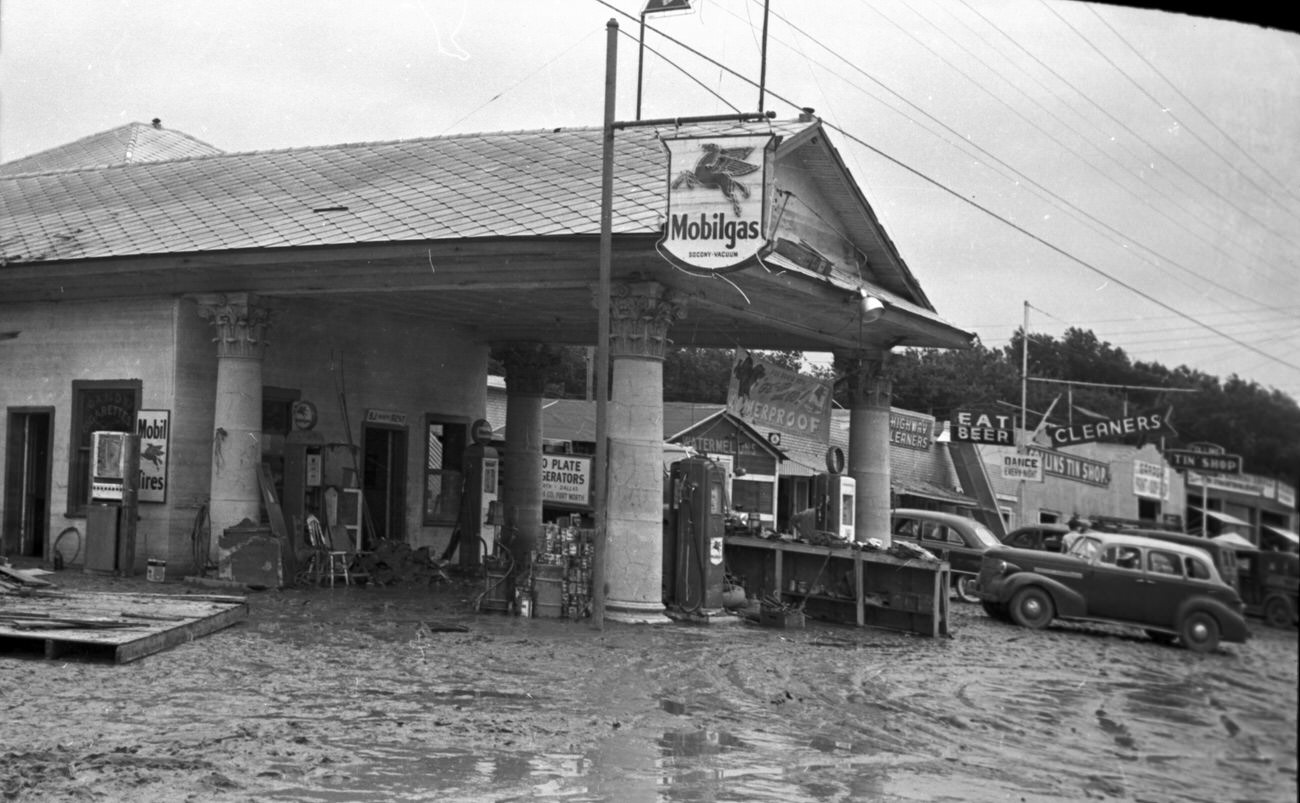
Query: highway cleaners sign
x=716 y=219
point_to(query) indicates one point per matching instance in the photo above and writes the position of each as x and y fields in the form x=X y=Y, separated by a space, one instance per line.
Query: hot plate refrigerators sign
x=717 y=201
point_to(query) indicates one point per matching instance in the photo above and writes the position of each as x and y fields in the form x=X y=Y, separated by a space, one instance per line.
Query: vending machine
x=694 y=574
x=835 y=496
x=110 y=517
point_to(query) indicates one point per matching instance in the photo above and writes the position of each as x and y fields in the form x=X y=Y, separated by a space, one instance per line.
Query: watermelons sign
x=716 y=218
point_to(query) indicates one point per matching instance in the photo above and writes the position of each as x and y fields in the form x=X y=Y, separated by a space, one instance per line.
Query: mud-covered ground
x=371 y=694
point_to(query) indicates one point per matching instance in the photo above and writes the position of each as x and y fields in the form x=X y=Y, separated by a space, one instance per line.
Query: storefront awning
x=1223 y=517
x=1233 y=540
x=1285 y=533
x=927 y=490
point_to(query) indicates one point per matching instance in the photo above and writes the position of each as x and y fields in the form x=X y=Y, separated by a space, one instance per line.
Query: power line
x=1064 y=204
x=1249 y=156
x=1158 y=104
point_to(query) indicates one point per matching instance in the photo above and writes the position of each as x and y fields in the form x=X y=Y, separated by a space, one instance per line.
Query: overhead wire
x=1014 y=175
x=1164 y=108
x=1150 y=185
x=1192 y=104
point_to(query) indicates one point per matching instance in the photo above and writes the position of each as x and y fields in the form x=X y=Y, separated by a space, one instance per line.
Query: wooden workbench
x=844 y=584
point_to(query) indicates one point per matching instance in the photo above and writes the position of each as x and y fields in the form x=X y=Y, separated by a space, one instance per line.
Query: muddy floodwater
x=377 y=694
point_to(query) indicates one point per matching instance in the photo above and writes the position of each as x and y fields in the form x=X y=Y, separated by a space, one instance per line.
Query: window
x=1196 y=569
x=1163 y=563
x=97 y=406
x=444 y=479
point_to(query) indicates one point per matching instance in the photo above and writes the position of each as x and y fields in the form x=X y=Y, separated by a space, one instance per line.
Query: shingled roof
x=132 y=143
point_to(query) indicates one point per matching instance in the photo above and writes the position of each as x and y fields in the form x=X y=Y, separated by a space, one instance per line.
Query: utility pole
x=601 y=462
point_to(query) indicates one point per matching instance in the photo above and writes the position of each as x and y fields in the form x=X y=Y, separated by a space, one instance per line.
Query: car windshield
x=985 y=535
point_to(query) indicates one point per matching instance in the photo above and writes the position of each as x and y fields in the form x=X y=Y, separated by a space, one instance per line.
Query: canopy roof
x=496 y=233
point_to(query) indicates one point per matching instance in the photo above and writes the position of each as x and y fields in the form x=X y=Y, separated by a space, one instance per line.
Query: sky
x=1124 y=170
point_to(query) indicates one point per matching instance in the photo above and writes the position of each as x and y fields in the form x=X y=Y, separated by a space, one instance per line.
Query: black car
x=1046 y=537
x=1170 y=590
x=957 y=539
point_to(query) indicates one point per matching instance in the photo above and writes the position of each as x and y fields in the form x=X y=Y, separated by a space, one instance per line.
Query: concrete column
x=234 y=495
x=869 y=391
x=640 y=314
x=527 y=367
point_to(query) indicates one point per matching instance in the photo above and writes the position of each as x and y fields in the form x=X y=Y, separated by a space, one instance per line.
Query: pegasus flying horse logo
x=718 y=169
x=154 y=454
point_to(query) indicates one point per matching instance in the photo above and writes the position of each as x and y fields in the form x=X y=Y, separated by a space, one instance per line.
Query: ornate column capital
x=528 y=365
x=869 y=381
x=241 y=321
x=639 y=316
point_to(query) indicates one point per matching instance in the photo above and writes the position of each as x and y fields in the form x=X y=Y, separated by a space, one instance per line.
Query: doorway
x=383 y=479
x=28 y=477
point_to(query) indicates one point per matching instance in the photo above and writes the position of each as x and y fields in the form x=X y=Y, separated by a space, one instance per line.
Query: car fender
x=1232 y=625
x=1068 y=602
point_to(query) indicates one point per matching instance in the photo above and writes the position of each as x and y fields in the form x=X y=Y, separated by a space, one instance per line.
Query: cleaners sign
x=1150 y=423
x=717 y=201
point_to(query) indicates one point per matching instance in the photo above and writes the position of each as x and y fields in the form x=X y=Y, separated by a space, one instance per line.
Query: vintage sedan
x=957 y=539
x=1051 y=537
x=1170 y=590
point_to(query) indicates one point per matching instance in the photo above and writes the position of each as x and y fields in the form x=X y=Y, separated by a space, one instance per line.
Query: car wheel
x=1277 y=612
x=1199 y=632
x=1032 y=607
x=965 y=586
x=1161 y=637
x=996 y=611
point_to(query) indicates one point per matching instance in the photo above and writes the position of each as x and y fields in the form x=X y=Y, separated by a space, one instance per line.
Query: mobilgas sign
x=1204 y=462
x=1152 y=422
x=717 y=200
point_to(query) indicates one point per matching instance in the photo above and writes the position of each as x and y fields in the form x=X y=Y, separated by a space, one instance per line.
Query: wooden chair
x=326 y=560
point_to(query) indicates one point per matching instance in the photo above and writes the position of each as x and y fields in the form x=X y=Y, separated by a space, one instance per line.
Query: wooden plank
x=278 y=524
x=144 y=623
x=179 y=634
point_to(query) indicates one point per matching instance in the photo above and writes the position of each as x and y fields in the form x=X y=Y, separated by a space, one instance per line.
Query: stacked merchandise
x=561 y=577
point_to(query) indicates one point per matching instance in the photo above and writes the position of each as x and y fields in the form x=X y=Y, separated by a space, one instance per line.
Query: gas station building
x=319 y=320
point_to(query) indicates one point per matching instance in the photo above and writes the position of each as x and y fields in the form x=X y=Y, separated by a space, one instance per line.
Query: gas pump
x=479 y=518
x=694 y=571
x=834 y=496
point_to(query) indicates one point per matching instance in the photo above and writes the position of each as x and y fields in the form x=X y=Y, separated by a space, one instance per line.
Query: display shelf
x=874 y=589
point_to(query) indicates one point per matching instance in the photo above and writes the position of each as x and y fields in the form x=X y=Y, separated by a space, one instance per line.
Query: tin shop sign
x=154 y=429
x=716 y=219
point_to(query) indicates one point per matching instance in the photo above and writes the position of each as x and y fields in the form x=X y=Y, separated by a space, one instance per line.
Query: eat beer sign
x=974 y=426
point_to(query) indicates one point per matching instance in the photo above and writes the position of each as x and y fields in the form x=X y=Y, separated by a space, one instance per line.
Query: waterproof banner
x=768 y=396
x=716 y=219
